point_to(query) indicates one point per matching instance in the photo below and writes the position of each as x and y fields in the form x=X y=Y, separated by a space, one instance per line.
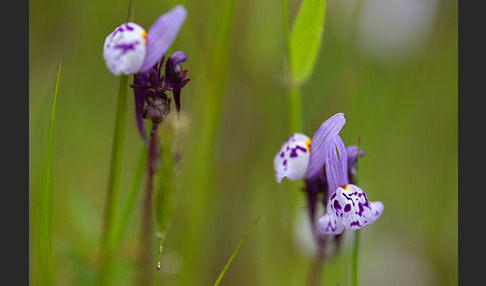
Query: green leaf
x=305 y=38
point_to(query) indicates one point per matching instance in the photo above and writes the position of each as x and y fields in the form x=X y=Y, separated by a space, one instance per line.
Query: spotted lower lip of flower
x=300 y=157
x=348 y=208
x=293 y=158
x=129 y=49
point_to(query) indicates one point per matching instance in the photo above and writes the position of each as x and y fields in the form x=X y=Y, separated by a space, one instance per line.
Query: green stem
x=354 y=266
x=354 y=273
x=294 y=103
x=295 y=108
x=315 y=272
x=237 y=249
x=131 y=197
x=46 y=260
x=131 y=9
x=109 y=240
x=161 y=241
x=147 y=216
x=286 y=31
x=113 y=193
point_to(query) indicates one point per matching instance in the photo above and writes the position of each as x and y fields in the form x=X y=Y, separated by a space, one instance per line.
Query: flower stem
x=111 y=207
x=146 y=234
x=46 y=260
x=109 y=240
x=354 y=273
x=315 y=272
x=354 y=265
x=286 y=29
x=295 y=106
x=161 y=241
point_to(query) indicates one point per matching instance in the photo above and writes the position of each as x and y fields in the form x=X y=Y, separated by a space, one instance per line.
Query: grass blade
x=131 y=198
x=237 y=249
x=201 y=171
x=111 y=208
x=46 y=261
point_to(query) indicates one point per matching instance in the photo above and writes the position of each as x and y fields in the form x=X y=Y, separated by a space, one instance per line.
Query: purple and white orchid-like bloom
x=348 y=208
x=300 y=157
x=129 y=49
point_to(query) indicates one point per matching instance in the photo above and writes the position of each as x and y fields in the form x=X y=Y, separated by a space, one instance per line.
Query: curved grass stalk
x=248 y=232
x=46 y=260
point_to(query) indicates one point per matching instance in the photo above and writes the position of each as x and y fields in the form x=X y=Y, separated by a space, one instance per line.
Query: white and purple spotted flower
x=300 y=157
x=129 y=49
x=348 y=208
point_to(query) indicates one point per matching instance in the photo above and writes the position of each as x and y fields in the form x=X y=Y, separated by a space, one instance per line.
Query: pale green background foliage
x=396 y=86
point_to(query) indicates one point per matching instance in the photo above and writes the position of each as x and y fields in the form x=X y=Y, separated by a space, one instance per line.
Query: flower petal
x=350 y=207
x=352 y=151
x=324 y=133
x=161 y=35
x=293 y=158
x=176 y=58
x=330 y=224
x=336 y=164
x=140 y=79
x=352 y=159
x=124 y=49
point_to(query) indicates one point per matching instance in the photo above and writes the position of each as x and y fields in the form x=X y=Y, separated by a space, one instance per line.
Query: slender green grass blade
x=202 y=169
x=112 y=200
x=223 y=272
x=133 y=192
x=305 y=38
x=46 y=260
x=113 y=194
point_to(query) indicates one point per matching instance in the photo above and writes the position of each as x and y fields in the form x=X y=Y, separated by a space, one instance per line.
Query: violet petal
x=139 y=94
x=326 y=131
x=176 y=58
x=352 y=151
x=336 y=165
x=161 y=35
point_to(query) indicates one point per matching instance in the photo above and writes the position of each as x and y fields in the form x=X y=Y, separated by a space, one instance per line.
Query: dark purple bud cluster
x=157 y=108
x=175 y=77
x=150 y=88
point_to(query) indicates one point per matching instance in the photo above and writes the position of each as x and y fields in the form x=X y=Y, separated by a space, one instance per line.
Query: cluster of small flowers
x=329 y=168
x=131 y=50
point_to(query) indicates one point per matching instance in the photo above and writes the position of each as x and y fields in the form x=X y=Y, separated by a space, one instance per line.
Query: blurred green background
x=390 y=66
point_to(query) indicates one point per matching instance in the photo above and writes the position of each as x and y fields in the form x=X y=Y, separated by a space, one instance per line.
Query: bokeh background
x=389 y=65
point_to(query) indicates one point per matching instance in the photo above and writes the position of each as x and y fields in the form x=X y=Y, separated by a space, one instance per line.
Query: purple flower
x=129 y=49
x=328 y=170
x=348 y=208
x=352 y=152
x=301 y=157
x=175 y=77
